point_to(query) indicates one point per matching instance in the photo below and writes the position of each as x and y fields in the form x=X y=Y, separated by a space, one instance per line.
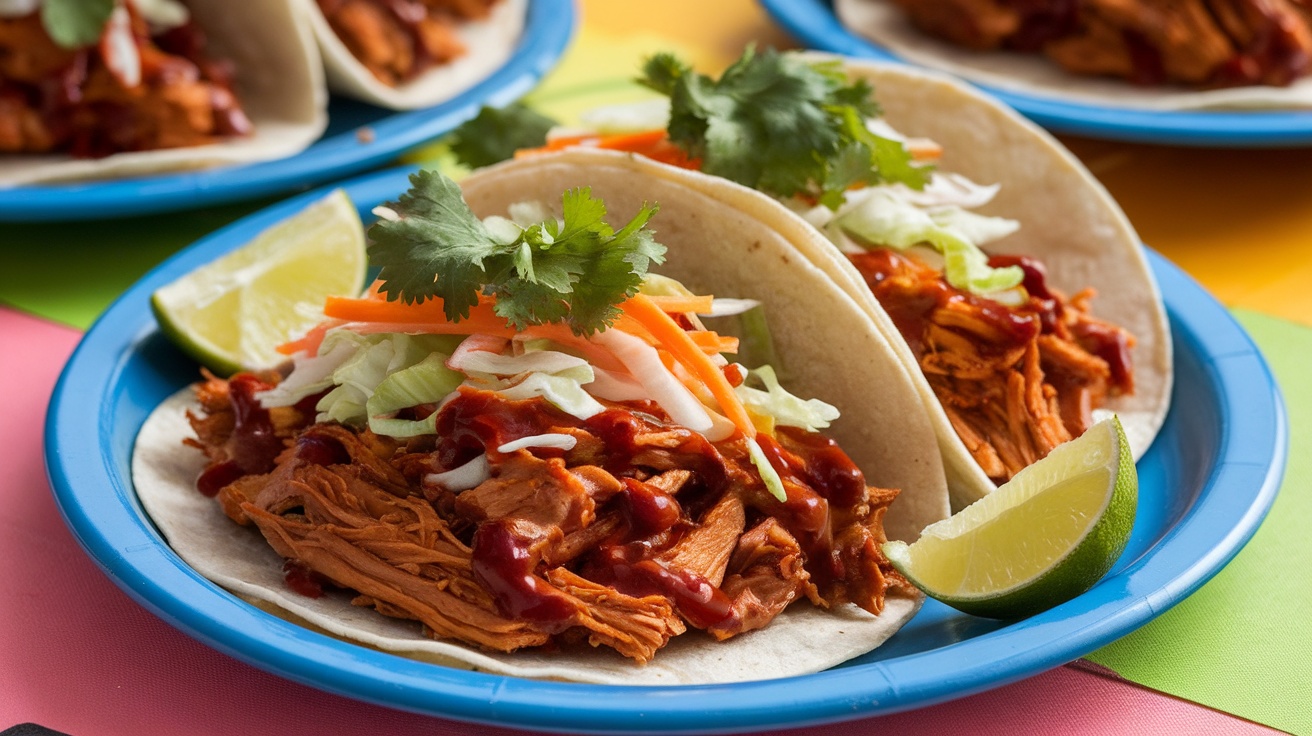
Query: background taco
x=406 y=60
x=1183 y=58
x=1037 y=355
x=829 y=351
x=165 y=88
x=1067 y=222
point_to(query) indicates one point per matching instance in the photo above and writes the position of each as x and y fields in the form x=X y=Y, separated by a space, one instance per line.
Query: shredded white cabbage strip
x=467 y=476
x=551 y=440
x=645 y=365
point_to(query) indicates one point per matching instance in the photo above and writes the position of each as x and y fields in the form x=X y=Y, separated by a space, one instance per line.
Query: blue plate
x=337 y=154
x=1204 y=488
x=813 y=23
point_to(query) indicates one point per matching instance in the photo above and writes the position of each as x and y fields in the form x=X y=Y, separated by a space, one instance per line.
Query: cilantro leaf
x=436 y=248
x=496 y=133
x=574 y=271
x=891 y=158
x=780 y=124
x=74 y=24
x=615 y=269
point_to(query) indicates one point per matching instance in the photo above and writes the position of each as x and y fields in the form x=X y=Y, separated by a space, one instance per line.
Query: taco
x=416 y=54
x=152 y=86
x=556 y=500
x=1146 y=54
x=1015 y=350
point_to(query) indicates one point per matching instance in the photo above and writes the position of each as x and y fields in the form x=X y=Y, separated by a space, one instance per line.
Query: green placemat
x=1243 y=643
x=70 y=272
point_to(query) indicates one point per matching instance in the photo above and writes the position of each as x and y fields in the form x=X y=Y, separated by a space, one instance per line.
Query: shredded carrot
x=428 y=317
x=681 y=345
x=310 y=341
x=714 y=343
x=683 y=304
x=650 y=143
x=481 y=318
x=923 y=149
x=632 y=141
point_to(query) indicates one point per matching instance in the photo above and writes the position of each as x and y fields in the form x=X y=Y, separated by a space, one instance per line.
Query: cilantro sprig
x=496 y=133
x=574 y=271
x=781 y=124
x=74 y=24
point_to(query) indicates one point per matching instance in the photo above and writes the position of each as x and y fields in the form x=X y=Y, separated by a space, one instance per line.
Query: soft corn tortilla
x=279 y=83
x=490 y=43
x=830 y=349
x=887 y=25
x=1068 y=221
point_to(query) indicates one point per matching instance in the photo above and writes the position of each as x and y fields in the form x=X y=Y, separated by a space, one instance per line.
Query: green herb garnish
x=573 y=271
x=74 y=24
x=496 y=133
x=782 y=125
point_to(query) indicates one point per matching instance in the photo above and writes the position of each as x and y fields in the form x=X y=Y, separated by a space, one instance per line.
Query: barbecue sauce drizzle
x=1041 y=314
x=816 y=474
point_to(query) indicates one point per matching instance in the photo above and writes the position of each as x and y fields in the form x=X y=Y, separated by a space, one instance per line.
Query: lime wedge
x=232 y=313
x=1044 y=537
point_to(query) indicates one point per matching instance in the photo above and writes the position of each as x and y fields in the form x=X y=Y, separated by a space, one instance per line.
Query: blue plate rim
x=101 y=511
x=814 y=24
x=548 y=28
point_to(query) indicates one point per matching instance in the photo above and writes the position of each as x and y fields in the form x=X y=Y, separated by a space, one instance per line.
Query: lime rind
x=232 y=313
x=1060 y=577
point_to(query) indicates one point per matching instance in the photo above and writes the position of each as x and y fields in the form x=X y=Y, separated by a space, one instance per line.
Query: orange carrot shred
x=684 y=304
x=681 y=345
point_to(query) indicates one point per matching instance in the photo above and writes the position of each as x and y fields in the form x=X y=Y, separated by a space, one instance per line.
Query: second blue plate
x=813 y=23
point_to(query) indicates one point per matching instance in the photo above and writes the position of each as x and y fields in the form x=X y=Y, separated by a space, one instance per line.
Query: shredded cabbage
x=555 y=376
x=646 y=367
x=654 y=284
x=470 y=475
x=371 y=360
x=427 y=382
x=310 y=375
x=878 y=216
x=773 y=483
x=633 y=117
x=554 y=440
x=785 y=408
x=562 y=390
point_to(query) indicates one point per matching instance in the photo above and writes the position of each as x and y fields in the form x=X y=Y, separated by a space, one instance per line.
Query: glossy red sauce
x=474 y=421
x=699 y=601
x=910 y=304
x=301 y=579
x=1110 y=344
x=253 y=445
x=321 y=450
x=648 y=510
x=504 y=563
